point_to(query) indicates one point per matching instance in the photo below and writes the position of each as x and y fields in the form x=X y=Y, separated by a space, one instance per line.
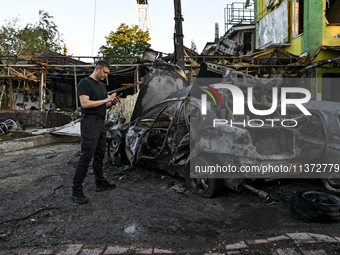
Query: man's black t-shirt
x=96 y=91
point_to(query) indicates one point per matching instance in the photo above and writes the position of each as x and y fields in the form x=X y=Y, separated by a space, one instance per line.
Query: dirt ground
x=148 y=206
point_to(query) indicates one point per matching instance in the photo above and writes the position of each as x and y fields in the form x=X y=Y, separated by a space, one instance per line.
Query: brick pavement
x=290 y=243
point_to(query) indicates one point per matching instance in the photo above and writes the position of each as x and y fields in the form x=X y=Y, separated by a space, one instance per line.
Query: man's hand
x=112 y=100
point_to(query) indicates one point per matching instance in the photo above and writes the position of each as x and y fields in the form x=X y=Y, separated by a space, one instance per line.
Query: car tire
x=310 y=211
x=205 y=187
x=322 y=201
x=332 y=184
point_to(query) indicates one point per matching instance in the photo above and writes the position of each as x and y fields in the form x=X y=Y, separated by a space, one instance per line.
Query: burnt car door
x=179 y=136
x=147 y=138
x=313 y=137
x=332 y=150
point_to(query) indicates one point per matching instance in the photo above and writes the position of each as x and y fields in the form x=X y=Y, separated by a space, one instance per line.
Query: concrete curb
x=34 y=141
x=289 y=243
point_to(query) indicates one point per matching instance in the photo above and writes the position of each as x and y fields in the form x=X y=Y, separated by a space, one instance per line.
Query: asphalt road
x=148 y=206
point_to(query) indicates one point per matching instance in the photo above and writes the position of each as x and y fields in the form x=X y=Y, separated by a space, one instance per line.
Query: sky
x=85 y=23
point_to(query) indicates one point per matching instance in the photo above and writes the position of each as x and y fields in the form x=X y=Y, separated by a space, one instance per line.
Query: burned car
x=193 y=134
x=175 y=136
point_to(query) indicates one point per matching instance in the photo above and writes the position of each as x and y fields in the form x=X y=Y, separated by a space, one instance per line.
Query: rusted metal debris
x=7 y=125
x=263 y=63
x=47 y=81
x=19 y=74
x=34 y=119
x=228 y=47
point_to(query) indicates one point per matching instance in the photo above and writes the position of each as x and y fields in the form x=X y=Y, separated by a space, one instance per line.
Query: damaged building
x=40 y=91
x=305 y=28
x=292 y=38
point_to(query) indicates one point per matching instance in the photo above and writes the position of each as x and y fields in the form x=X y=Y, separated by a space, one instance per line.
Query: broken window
x=247 y=43
x=157 y=121
x=298 y=18
x=332 y=11
x=309 y=126
x=159 y=116
x=147 y=120
x=166 y=116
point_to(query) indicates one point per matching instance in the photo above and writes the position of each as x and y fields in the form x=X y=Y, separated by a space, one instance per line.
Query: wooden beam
x=10 y=95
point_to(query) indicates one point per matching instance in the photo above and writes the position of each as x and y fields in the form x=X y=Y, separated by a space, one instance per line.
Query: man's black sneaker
x=105 y=186
x=79 y=197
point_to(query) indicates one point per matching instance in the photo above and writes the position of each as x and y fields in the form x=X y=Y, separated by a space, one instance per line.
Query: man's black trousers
x=93 y=145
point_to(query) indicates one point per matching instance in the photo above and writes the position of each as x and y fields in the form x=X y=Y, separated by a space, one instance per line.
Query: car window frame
x=321 y=117
x=165 y=105
x=149 y=110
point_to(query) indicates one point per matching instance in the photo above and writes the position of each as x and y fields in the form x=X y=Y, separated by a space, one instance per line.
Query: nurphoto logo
x=239 y=104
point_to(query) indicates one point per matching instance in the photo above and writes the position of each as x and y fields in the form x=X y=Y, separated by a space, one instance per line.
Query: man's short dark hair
x=102 y=63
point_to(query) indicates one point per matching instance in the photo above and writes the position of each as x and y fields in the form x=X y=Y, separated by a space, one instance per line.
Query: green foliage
x=129 y=42
x=33 y=38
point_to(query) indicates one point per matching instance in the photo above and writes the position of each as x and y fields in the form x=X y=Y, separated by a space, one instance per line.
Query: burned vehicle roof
x=323 y=112
x=180 y=94
x=325 y=106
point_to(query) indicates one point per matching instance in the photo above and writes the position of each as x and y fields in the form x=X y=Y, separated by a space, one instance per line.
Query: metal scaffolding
x=237 y=14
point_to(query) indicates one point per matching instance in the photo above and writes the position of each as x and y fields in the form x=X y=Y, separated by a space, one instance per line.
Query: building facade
x=302 y=27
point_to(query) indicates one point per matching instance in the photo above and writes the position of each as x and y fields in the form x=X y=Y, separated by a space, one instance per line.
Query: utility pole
x=178 y=35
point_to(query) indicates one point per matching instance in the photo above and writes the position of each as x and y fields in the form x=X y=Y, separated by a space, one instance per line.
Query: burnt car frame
x=147 y=137
x=160 y=138
x=173 y=135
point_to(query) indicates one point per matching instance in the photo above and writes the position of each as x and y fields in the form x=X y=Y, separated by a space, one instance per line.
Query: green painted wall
x=313 y=27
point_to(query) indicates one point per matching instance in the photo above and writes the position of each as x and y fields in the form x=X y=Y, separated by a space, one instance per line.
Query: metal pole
x=136 y=78
x=10 y=94
x=76 y=90
x=179 y=35
x=41 y=91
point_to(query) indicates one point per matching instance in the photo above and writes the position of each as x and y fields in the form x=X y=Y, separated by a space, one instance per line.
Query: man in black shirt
x=94 y=101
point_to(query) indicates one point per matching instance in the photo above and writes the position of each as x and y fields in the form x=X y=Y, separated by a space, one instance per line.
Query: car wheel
x=304 y=205
x=322 y=201
x=202 y=185
x=332 y=184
